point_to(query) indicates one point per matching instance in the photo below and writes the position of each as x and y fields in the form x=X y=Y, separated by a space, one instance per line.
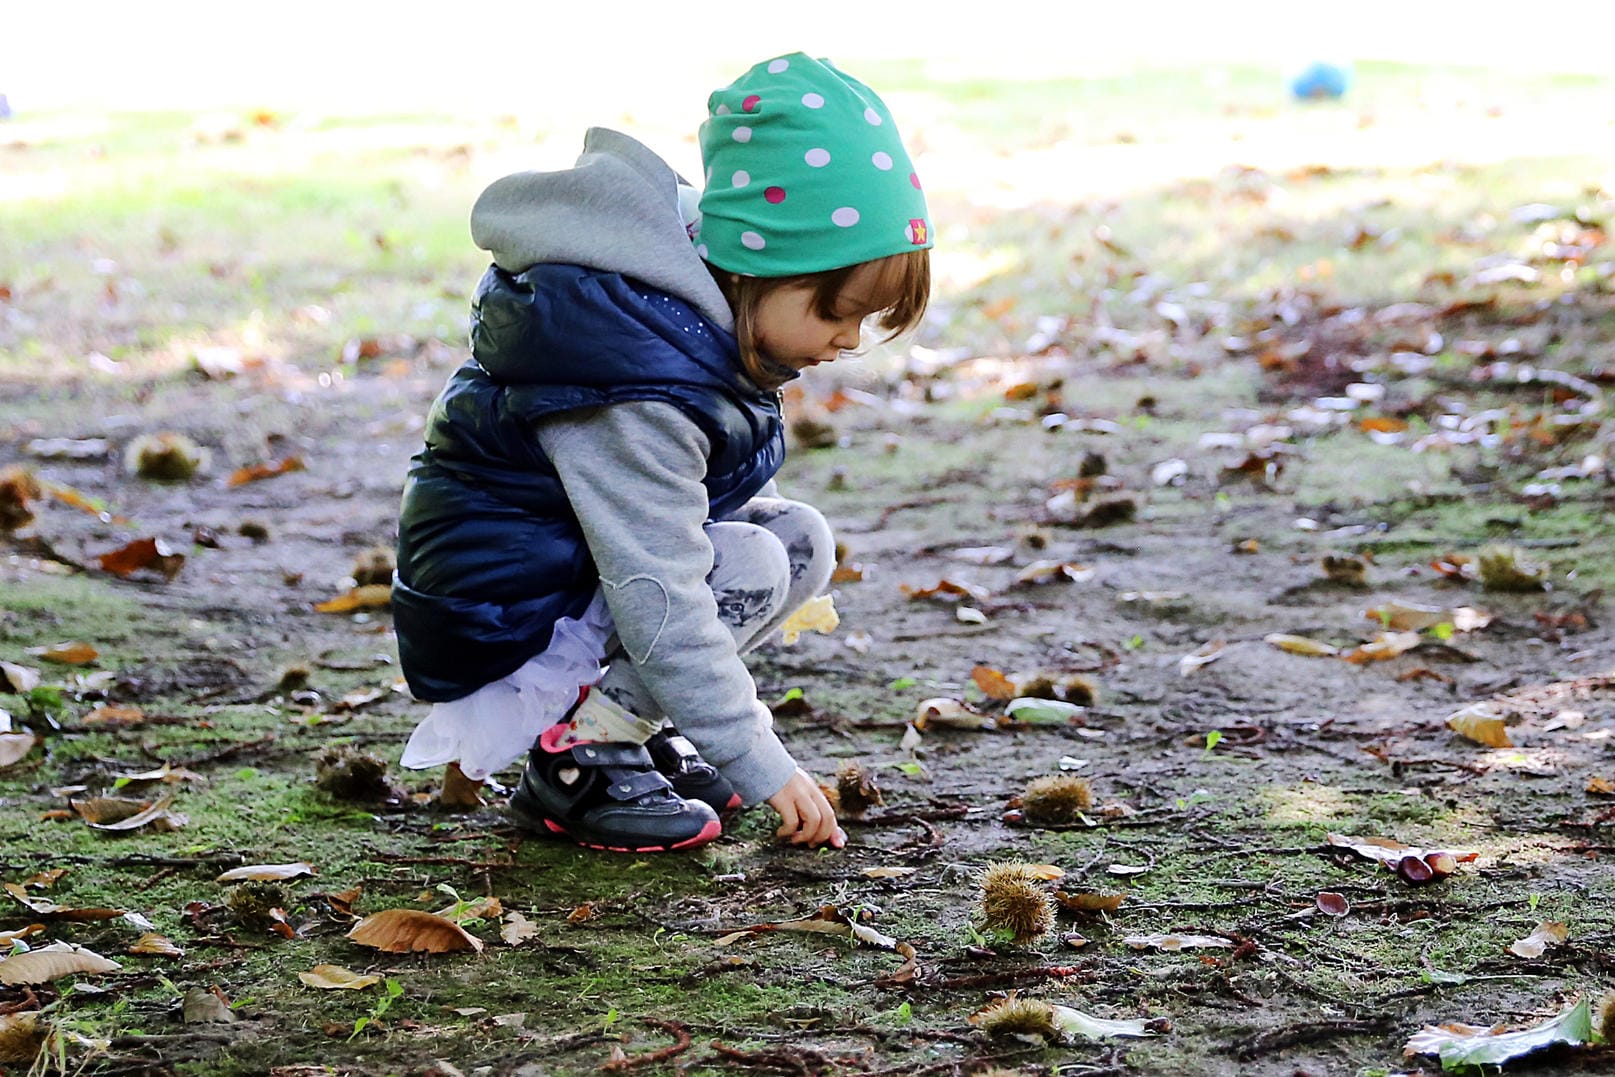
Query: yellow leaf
x=1600 y=786
x=402 y=931
x=1383 y=646
x=1301 y=645
x=887 y=873
x=155 y=944
x=1481 y=723
x=993 y=684
x=336 y=978
x=370 y=596
x=814 y=615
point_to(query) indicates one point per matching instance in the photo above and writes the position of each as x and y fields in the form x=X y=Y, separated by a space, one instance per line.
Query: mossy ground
x=340 y=338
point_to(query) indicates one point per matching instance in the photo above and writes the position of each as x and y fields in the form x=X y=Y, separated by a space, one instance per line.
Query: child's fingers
x=789 y=820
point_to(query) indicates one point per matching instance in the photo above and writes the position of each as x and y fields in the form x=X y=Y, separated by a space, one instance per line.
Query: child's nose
x=848 y=338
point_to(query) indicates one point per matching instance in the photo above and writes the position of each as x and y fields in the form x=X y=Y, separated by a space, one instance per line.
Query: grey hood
x=616 y=210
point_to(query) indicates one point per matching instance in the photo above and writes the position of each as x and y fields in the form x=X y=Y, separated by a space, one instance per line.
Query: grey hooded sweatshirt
x=633 y=472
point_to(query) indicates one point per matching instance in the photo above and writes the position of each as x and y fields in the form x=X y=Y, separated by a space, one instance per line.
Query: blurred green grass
x=145 y=236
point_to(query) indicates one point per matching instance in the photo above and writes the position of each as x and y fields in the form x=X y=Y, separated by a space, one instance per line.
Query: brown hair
x=900 y=293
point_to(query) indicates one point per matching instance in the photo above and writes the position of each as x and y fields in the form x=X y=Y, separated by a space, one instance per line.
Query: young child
x=596 y=482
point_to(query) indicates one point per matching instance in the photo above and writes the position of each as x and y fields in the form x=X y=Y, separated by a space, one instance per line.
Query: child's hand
x=806 y=816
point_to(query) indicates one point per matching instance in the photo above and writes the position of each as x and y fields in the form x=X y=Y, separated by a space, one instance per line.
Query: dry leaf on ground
x=370 y=596
x=258 y=472
x=153 y=944
x=50 y=910
x=402 y=931
x=518 y=929
x=1089 y=902
x=18 y=679
x=1040 y=572
x=1460 y=1046
x=946 y=590
x=1481 y=723
x=158 y=817
x=1300 y=645
x=267 y=872
x=814 y=615
x=14 y=747
x=1204 y=656
x=993 y=683
x=9 y=937
x=1548 y=933
x=946 y=713
x=53 y=962
x=1383 y=646
x=1408 y=617
x=71 y=653
x=337 y=978
x=1177 y=942
x=147 y=554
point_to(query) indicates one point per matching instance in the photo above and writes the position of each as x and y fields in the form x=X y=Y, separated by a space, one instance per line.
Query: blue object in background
x=1321 y=81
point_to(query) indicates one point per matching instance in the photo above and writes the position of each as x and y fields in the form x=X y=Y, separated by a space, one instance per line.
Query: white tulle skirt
x=494 y=726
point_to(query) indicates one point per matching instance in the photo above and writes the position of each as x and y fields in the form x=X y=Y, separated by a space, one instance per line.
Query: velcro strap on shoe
x=682 y=747
x=613 y=755
x=599 y=717
x=631 y=786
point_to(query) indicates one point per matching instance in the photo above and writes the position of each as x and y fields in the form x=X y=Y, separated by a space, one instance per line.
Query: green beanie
x=804 y=172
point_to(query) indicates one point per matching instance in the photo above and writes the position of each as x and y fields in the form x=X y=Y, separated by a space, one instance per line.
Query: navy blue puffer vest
x=490 y=554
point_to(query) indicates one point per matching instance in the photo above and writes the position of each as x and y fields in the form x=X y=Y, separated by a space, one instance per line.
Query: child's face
x=791 y=332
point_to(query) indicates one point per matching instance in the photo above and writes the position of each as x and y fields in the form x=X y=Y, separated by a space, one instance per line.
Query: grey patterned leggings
x=768 y=559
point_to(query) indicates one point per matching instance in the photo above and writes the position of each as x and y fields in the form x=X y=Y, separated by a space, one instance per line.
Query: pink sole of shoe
x=710 y=832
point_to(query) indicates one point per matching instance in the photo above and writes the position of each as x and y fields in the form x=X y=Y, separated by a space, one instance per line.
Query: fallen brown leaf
x=258 y=472
x=147 y=554
x=1384 y=645
x=1548 y=933
x=402 y=931
x=74 y=653
x=337 y=978
x=157 y=945
x=52 y=962
x=113 y=714
x=370 y=596
x=993 y=684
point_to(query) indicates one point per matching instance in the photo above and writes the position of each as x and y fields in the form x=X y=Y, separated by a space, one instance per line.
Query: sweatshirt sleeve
x=632 y=473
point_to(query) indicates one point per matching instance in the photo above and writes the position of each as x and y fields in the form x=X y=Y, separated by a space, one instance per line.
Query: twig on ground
x=680 y=1044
